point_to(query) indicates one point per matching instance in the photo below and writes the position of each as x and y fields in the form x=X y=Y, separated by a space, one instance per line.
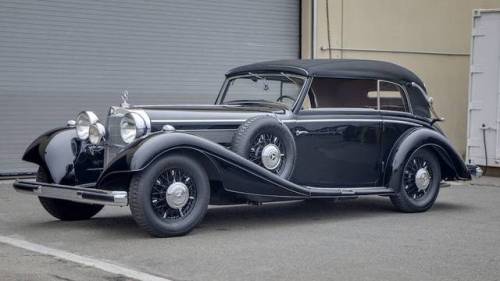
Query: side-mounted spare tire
x=266 y=141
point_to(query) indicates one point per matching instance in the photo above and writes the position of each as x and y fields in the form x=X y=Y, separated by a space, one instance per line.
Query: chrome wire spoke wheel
x=268 y=151
x=170 y=197
x=417 y=178
x=173 y=195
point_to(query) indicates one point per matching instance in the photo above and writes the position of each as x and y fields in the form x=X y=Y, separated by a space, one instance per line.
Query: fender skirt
x=452 y=165
x=236 y=173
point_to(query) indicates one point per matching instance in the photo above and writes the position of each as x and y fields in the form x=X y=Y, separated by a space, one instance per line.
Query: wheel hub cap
x=177 y=195
x=271 y=156
x=422 y=179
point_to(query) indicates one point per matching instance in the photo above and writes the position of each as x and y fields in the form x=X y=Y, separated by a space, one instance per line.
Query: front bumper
x=81 y=193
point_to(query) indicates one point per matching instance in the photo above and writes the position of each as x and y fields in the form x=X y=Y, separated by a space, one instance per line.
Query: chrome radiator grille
x=114 y=142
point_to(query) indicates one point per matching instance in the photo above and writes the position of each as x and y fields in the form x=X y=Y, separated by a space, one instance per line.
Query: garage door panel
x=60 y=57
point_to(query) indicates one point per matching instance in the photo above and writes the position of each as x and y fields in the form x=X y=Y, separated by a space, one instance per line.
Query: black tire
x=410 y=198
x=63 y=209
x=246 y=142
x=152 y=212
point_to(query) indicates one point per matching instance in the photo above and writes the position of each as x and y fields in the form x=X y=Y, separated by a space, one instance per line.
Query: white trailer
x=483 y=126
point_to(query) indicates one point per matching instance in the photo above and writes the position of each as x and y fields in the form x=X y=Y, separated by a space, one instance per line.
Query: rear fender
x=452 y=165
x=235 y=173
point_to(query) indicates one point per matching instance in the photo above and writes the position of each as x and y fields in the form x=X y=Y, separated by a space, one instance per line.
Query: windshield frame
x=225 y=86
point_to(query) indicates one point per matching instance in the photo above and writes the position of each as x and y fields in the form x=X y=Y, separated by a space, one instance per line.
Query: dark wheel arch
x=121 y=180
x=451 y=163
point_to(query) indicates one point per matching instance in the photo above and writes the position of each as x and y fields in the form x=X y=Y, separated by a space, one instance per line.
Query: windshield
x=279 y=89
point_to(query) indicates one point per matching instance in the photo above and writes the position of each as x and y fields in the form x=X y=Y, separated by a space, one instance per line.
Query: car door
x=338 y=135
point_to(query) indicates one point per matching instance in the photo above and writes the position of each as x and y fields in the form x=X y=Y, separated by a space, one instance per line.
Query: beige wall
x=430 y=37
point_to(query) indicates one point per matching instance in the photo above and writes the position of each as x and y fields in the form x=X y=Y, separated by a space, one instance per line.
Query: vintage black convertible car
x=279 y=130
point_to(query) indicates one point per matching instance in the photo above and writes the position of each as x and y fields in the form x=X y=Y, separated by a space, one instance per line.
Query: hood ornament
x=124 y=96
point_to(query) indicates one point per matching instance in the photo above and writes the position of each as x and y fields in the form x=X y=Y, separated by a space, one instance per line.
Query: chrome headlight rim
x=84 y=120
x=133 y=126
x=97 y=132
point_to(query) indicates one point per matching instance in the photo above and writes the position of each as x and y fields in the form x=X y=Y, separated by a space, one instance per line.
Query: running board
x=354 y=191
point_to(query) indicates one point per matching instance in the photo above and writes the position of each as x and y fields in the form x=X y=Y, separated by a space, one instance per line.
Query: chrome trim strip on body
x=348 y=191
x=205 y=130
x=328 y=192
x=290 y=121
x=354 y=120
x=73 y=193
x=198 y=121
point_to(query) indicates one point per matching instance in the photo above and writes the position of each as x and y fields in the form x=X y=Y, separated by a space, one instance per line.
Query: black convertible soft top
x=335 y=68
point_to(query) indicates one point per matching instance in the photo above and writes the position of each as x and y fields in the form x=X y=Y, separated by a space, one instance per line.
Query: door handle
x=301 y=132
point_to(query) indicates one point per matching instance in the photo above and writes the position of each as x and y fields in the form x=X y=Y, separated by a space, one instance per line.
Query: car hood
x=205 y=116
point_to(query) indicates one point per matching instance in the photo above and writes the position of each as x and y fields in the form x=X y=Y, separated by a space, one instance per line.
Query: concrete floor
x=364 y=239
x=18 y=264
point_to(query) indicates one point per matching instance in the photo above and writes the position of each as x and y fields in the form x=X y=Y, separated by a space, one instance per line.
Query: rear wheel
x=170 y=197
x=419 y=182
x=63 y=209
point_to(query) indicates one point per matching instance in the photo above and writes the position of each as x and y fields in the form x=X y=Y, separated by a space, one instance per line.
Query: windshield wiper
x=290 y=78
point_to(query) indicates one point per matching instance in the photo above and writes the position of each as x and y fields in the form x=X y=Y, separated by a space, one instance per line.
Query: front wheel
x=63 y=209
x=170 y=197
x=419 y=183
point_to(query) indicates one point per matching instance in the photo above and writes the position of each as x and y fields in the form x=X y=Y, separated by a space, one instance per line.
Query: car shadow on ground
x=226 y=218
x=304 y=212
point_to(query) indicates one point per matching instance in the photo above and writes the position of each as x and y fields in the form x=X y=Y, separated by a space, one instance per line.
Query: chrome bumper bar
x=82 y=194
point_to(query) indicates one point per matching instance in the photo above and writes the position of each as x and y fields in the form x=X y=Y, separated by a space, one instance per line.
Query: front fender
x=236 y=173
x=452 y=165
x=68 y=160
x=52 y=151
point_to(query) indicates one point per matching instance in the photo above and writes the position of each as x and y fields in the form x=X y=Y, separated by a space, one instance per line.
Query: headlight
x=132 y=126
x=96 y=133
x=83 y=122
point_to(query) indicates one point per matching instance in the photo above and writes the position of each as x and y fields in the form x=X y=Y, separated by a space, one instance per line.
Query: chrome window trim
x=302 y=95
x=404 y=96
x=223 y=90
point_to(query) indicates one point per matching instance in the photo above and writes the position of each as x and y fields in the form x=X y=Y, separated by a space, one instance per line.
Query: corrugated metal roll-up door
x=58 y=57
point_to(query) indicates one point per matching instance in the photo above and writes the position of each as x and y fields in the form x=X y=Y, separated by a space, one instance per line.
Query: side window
x=355 y=93
x=341 y=93
x=392 y=97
